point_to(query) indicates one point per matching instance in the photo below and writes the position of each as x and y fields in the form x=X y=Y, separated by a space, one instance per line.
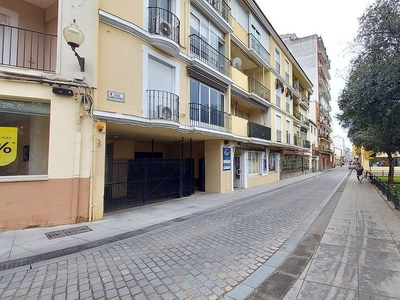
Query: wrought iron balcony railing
x=297 y=114
x=258 y=48
x=209 y=117
x=163 y=22
x=295 y=139
x=206 y=53
x=278 y=136
x=305 y=123
x=259 y=89
x=27 y=48
x=306 y=144
x=163 y=105
x=287 y=137
x=222 y=7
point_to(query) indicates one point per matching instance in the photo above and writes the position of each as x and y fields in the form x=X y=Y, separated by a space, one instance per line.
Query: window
x=288 y=102
x=162 y=102
x=241 y=113
x=25 y=125
x=278 y=97
x=278 y=124
x=253 y=163
x=286 y=70
x=165 y=4
x=277 y=61
x=257 y=42
x=240 y=15
x=206 y=104
x=288 y=132
x=8 y=36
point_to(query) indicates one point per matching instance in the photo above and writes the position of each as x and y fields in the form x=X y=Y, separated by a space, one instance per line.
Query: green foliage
x=384 y=179
x=370 y=100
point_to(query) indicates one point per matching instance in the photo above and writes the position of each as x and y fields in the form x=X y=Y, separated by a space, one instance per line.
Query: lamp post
x=75 y=38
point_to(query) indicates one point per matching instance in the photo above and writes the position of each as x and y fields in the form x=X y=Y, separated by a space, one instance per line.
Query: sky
x=336 y=22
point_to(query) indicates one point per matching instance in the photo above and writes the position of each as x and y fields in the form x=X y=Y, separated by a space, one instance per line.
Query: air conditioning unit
x=162 y=27
x=164 y=112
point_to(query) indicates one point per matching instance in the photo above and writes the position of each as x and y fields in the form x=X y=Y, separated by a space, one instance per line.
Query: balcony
x=297 y=114
x=222 y=8
x=204 y=52
x=164 y=27
x=297 y=141
x=210 y=118
x=259 y=131
x=305 y=124
x=216 y=10
x=29 y=49
x=324 y=71
x=261 y=53
x=163 y=105
x=306 y=144
x=325 y=150
x=305 y=102
x=259 y=89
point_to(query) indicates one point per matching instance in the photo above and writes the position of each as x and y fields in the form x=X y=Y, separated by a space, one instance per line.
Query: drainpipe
x=77 y=166
x=92 y=175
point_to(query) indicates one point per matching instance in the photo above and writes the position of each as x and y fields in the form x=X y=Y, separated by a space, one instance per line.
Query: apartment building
x=312 y=55
x=161 y=99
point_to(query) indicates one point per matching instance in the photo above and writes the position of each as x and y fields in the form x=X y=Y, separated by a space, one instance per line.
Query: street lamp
x=74 y=38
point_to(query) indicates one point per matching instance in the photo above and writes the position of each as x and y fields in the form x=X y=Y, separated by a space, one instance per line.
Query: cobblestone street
x=202 y=257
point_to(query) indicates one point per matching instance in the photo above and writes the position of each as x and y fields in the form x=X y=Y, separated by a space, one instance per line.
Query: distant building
x=312 y=56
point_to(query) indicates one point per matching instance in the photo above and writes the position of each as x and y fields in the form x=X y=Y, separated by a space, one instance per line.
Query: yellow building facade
x=176 y=96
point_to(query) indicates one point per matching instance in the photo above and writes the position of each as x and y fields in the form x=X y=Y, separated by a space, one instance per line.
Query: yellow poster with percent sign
x=8 y=145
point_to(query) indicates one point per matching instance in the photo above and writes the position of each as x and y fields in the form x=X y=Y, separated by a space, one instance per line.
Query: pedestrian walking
x=359 y=170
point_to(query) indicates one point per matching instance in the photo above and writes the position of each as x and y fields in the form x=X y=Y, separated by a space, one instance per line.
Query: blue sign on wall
x=226 y=158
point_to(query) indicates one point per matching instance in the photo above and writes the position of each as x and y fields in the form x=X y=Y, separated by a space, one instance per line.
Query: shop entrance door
x=237 y=182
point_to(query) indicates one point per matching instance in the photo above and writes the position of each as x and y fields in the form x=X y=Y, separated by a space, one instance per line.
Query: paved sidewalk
x=32 y=245
x=358 y=257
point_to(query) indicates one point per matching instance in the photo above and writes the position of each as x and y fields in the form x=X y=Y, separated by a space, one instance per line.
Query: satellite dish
x=237 y=63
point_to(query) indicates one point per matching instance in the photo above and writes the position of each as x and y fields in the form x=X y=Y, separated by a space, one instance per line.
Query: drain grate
x=67 y=232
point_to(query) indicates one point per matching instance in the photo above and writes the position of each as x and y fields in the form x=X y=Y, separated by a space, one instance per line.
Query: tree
x=370 y=100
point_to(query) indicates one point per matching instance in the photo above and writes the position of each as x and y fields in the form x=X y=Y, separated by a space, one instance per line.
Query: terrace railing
x=209 y=117
x=207 y=54
x=27 y=48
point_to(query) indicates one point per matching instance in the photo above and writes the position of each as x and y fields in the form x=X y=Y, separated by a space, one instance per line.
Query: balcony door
x=212 y=43
x=8 y=37
x=160 y=89
x=164 y=4
x=207 y=104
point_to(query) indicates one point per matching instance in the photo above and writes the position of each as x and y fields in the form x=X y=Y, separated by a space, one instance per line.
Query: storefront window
x=253 y=163
x=24 y=137
x=272 y=161
x=291 y=162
